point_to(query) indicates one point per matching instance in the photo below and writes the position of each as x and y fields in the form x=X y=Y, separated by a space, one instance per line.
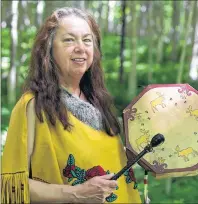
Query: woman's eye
x=87 y=40
x=68 y=40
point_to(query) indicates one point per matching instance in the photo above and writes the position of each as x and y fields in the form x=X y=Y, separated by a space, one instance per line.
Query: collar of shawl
x=82 y=110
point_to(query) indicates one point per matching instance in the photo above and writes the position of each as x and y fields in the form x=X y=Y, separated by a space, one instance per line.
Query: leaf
x=126 y=173
x=71 y=160
x=135 y=185
x=128 y=179
x=78 y=168
x=77 y=171
x=73 y=174
x=83 y=173
x=5 y=111
x=107 y=172
x=76 y=182
x=111 y=198
x=70 y=179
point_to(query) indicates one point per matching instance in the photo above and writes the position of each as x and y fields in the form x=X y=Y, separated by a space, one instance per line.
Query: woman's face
x=73 y=47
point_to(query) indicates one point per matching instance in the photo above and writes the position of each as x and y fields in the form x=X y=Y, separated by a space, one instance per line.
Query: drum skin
x=171 y=110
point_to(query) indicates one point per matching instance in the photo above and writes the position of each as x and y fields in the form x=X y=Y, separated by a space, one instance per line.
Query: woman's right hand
x=95 y=190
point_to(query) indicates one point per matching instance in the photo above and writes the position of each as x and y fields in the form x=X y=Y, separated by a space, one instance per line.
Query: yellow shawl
x=61 y=157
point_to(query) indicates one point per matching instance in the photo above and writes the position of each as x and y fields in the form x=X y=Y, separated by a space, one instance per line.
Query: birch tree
x=106 y=23
x=132 y=81
x=11 y=83
x=183 y=54
x=150 y=42
x=122 y=45
x=161 y=33
x=194 y=62
x=175 y=23
x=100 y=12
x=39 y=13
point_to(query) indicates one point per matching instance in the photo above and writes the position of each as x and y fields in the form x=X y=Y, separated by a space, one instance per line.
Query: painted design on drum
x=160 y=164
x=192 y=112
x=185 y=153
x=159 y=101
x=184 y=92
x=143 y=139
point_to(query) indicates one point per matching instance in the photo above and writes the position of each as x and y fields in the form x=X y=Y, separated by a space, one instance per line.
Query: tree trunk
x=11 y=83
x=100 y=9
x=193 y=74
x=19 y=52
x=183 y=54
x=26 y=19
x=6 y=14
x=187 y=7
x=79 y=4
x=139 y=22
x=132 y=81
x=49 y=8
x=175 y=23
x=194 y=63
x=122 y=45
x=87 y=5
x=111 y=5
x=106 y=23
x=161 y=32
x=39 y=13
x=194 y=22
x=150 y=43
x=168 y=186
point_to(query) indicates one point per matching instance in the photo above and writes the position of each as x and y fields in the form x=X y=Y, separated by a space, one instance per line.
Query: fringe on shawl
x=15 y=188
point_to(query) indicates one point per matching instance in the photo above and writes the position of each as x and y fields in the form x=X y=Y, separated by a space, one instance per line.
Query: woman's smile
x=79 y=61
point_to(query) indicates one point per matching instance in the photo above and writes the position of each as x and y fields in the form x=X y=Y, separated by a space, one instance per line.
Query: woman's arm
x=51 y=193
x=94 y=190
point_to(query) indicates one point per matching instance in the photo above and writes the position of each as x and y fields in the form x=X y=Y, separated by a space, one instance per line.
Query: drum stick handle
x=155 y=141
x=130 y=164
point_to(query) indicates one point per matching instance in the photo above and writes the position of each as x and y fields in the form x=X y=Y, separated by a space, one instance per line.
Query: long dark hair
x=44 y=82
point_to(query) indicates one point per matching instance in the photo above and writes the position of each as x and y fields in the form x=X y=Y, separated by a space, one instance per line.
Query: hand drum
x=172 y=110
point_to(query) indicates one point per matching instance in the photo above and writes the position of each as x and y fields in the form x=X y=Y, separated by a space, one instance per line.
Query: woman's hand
x=95 y=190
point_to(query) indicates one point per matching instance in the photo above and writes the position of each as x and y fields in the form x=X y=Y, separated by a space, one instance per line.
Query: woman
x=63 y=140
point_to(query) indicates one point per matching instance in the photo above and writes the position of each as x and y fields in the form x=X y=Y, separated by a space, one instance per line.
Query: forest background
x=143 y=42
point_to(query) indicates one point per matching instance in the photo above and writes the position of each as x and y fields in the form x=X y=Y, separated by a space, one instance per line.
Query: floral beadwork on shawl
x=76 y=175
x=130 y=177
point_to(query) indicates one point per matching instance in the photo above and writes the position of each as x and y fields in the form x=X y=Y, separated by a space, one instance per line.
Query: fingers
x=112 y=184
x=107 y=194
x=96 y=189
x=107 y=176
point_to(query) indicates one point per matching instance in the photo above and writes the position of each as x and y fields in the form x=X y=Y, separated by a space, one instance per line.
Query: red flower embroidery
x=81 y=175
x=95 y=171
x=131 y=174
x=67 y=171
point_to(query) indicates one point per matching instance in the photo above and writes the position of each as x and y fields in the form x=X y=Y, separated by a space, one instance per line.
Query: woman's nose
x=79 y=47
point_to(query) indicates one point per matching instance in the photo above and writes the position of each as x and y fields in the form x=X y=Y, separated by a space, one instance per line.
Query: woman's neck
x=71 y=85
x=73 y=90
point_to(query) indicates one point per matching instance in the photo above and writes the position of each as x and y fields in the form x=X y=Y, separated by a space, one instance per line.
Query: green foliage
x=183 y=189
x=162 y=73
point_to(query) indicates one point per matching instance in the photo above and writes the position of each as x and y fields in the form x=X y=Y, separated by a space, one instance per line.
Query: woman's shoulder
x=23 y=101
